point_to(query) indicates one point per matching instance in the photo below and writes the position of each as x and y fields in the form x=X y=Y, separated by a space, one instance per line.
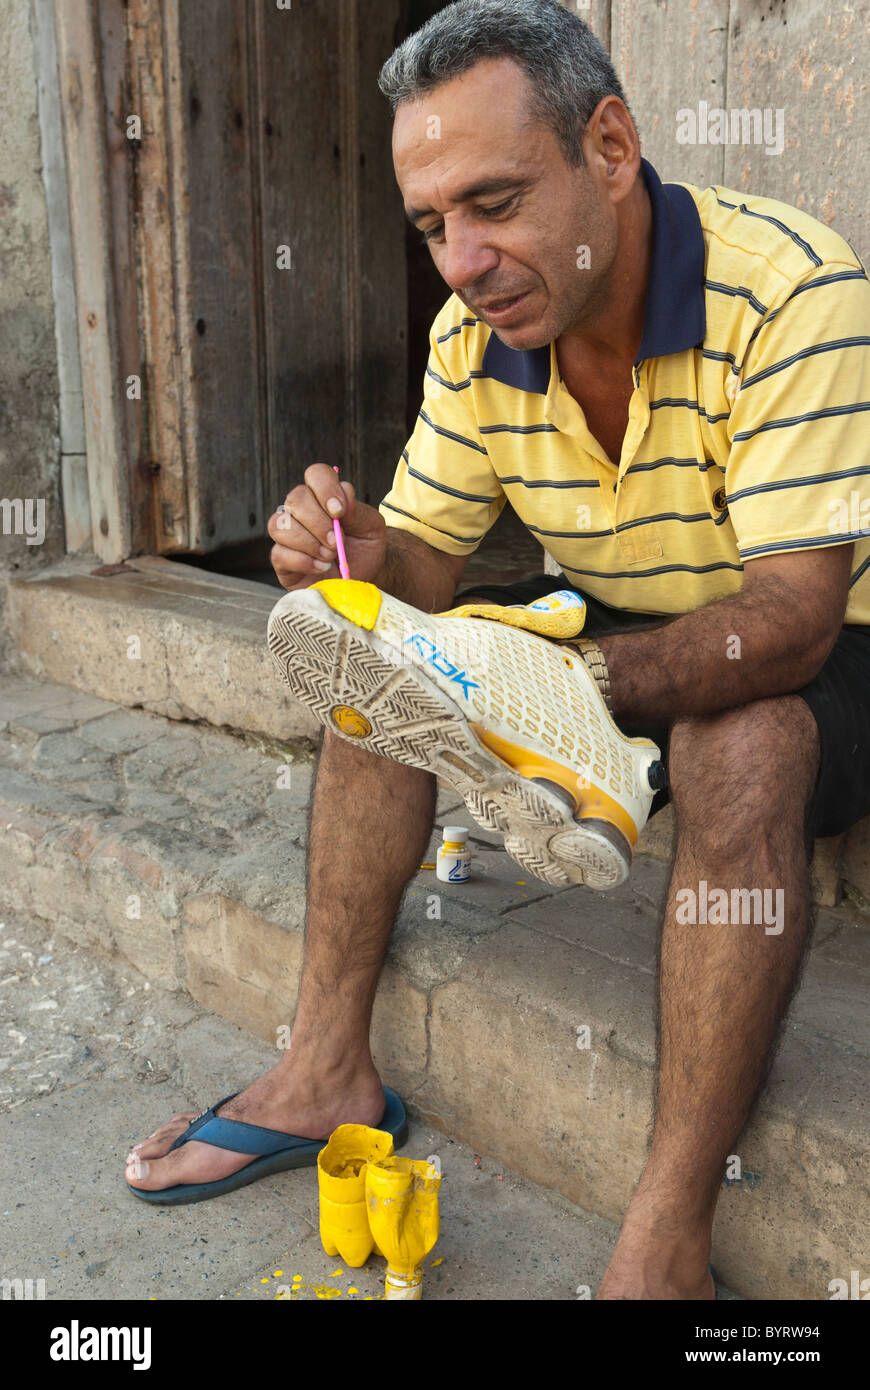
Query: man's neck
x=613 y=327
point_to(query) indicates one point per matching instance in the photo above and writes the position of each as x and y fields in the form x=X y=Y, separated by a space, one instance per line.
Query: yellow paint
x=278 y=1273
x=351 y=1289
x=351 y=721
x=402 y=1199
x=335 y=1273
x=325 y=1291
x=355 y=600
x=439 y=1261
x=591 y=802
x=341 y=1177
x=559 y=624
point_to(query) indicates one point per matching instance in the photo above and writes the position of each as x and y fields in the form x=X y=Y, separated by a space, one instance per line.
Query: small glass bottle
x=453 y=862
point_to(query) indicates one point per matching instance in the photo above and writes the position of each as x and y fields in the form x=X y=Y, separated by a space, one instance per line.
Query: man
x=666 y=383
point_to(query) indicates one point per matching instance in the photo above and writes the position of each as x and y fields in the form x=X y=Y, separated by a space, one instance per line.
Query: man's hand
x=304 y=549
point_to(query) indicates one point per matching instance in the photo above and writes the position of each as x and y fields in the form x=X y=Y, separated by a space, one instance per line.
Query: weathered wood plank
x=336 y=321
x=83 y=103
x=378 y=359
x=809 y=62
x=219 y=305
x=121 y=156
x=671 y=56
x=158 y=221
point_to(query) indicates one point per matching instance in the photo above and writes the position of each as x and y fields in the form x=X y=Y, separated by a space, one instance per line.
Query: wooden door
x=239 y=248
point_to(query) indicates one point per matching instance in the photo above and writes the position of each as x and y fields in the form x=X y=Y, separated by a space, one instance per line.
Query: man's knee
x=744 y=774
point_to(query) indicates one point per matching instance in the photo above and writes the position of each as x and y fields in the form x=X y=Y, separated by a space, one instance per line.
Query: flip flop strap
x=236 y=1134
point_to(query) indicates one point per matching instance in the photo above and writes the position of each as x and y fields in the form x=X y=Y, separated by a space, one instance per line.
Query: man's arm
x=770 y=639
x=417 y=573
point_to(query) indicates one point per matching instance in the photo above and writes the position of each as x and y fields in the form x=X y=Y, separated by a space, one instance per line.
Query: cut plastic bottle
x=402 y=1200
x=341 y=1177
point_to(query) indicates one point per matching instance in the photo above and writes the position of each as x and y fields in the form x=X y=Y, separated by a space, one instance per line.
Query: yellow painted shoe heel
x=354 y=599
x=402 y=1200
x=341 y=1178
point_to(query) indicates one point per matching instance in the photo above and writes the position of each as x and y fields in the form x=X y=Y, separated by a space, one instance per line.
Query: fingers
x=327 y=490
x=302 y=528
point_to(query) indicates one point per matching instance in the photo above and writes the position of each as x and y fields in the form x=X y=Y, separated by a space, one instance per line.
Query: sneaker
x=487 y=699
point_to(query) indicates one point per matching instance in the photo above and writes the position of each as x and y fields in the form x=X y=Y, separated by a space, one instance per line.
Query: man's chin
x=524 y=338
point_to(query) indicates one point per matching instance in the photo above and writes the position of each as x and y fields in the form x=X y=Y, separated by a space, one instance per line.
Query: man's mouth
x=497 y=307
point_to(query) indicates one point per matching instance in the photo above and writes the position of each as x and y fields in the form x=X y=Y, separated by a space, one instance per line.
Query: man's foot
x=512 y=721
x=270 y=1101
x=650 y=1270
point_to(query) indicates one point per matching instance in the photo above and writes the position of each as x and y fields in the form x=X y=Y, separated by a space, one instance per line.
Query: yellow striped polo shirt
x=748 y=430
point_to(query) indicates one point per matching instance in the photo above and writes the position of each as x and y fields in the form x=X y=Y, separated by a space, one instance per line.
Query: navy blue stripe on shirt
x=463 y=540
x=457 y=328
x=448 y=434
x=801 y=289
x=807 y=352
x=452 y=491
x=774 y=222
x=798 y=482
x=518 y=429
x=739 y=291
x=829 y=412
x=859 y=571
x=803 y=542
x=547 y=482
x=650 y=574
x=689 y=405
x=701 y=464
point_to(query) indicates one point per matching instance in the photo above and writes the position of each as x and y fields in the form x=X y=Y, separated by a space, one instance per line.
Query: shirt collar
x=675 y=317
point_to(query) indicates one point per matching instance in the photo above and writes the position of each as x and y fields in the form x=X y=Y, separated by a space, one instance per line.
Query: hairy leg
x=741 y=784
x=358 y=866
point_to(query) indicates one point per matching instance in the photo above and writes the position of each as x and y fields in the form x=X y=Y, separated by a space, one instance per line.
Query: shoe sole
x=331 y=664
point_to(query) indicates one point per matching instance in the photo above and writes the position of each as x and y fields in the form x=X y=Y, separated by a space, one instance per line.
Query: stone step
x=514 y=1017
x=190 y=644
x=159 y=635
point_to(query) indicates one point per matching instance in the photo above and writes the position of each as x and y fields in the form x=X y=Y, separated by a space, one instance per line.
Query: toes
x=161 y=1141
x=160 y=1172
x=151 y=1176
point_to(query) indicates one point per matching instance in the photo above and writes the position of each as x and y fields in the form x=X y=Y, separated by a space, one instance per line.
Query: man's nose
x=467 y=258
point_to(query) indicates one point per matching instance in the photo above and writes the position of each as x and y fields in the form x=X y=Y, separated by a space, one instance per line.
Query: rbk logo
x=430 y=653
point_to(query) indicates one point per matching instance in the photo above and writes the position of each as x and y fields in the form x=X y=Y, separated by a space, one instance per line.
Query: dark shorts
x=839 y=697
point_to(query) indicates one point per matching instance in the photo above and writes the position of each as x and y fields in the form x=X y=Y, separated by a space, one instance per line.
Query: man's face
x=503 y=213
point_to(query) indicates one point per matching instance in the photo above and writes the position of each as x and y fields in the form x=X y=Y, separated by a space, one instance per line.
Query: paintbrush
x=339 y=544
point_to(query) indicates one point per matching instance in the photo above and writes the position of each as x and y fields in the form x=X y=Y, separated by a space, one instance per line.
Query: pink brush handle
x=339 y=544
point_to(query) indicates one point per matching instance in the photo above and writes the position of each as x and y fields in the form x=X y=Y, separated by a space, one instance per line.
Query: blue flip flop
x=276 y=1151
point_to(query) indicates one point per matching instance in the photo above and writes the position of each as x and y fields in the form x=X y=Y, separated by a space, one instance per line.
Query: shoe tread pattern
x=327 y=663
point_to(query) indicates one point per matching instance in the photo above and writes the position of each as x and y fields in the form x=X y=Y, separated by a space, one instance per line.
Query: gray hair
x=569 y=68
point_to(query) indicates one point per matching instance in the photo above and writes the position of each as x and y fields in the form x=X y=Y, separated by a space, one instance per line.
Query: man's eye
x=487 y=212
